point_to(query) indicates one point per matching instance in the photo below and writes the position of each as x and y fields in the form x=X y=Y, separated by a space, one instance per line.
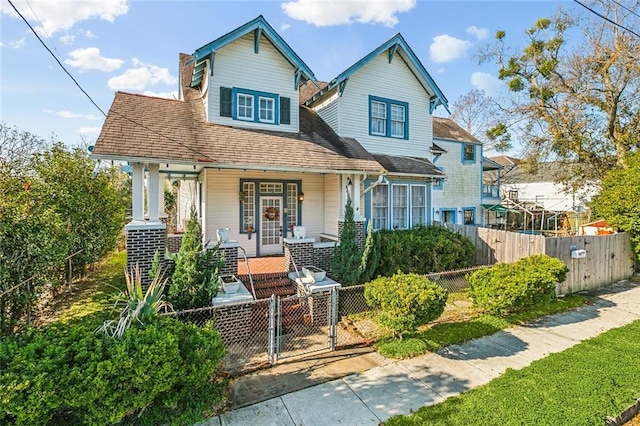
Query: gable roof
x=395 y=45
x=505 y=160
x=409 y=166
x=260 y=26
x=446 y=128
x=309 y=89
x=139 y=128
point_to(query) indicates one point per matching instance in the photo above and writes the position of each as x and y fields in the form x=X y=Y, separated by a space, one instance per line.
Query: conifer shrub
x=422 y=250
x=406 y=301
x=68 y=374
x=510 y=287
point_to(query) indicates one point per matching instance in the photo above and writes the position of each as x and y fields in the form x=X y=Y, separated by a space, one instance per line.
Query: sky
x=133 y=46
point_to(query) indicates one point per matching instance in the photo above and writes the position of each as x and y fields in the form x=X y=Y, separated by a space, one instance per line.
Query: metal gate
x=302 y=324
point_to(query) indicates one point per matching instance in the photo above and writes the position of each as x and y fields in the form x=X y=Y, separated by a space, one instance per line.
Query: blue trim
x=256 y=203
x=267 y=30
x=256 y=105
x=455 y=215
x=475 y=153
x=439 y=186
x=368 y=201
x=411 y=59
x=473 y=209
x=388 y=103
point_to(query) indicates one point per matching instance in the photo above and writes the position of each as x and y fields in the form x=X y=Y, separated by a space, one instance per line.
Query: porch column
x=357 y=202
x=161 y=212
x=137 y=192
x=153 y=193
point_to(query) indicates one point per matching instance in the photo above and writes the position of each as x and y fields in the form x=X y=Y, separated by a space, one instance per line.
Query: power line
x=91 y=99
x=41 y=25
x=607 y=19
x=626 y=8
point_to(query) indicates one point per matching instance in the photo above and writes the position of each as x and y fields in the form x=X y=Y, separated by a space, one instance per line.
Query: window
x=418 y=205
x=250 y=105
x=380 y=206
x=292 y=205
x=400 y=204
x=245 y=107
x=248 y=205
x=397 y=121
x=513 y=195
x=469 y=216
x=468 y=153
x=378 y=118
x=388 y=118
x=270 y=187
x=267 y=110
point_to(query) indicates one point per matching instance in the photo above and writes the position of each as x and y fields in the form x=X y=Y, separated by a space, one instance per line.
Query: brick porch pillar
x=299 y=251
x=361 y=232
x=143 y=240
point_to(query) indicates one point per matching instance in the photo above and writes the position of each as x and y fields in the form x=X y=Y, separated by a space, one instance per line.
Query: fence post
x=70 y=271
x=29 y=303
x=272 y=329
x=333 y=318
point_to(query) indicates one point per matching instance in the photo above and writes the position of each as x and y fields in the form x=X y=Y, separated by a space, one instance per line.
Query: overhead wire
x=91 y=99
x=41 y=24
x=626 y=8
x=607 y=19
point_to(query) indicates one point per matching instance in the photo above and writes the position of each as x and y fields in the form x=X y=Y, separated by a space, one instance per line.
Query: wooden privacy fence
x=609 y=258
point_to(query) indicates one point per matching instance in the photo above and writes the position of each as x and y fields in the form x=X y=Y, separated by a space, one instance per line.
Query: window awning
x=499 y=208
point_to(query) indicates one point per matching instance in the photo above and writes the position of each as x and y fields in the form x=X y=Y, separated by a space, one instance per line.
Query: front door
x=270 y=225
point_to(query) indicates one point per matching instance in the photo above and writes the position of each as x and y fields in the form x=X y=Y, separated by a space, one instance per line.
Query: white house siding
x=462 y=187
x=329 y=112
x=551 y=196
x=393 y=81
x=331 y=201
x=187 y=197
x=236 y=65
x=222 y=189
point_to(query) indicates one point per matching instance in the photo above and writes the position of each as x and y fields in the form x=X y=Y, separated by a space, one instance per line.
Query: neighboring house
x=457 y=198
x=252 y=160
x=537 y=190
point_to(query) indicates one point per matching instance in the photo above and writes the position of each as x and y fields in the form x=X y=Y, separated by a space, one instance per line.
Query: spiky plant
x=137 y=304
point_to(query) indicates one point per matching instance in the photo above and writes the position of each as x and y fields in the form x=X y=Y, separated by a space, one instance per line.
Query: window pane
x=378 y=118
x=469 y=217
x=397 y=121
x=292 y=205
x=245 y=107
x=469 y=152
x=400 y=207
x=418 y=205
x=267 y=110
x=397 y=112
x=248 y=206
x=380 y=206
x=271 y=187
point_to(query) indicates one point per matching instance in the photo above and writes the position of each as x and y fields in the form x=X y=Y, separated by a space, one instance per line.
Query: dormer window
x=388 y=118
x=254 y=106
x=244 y=107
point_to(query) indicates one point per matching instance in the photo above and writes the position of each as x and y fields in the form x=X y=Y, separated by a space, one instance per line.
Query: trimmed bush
x=407 y=301
x=423 y=250
x=505 y=288
x=68 y=374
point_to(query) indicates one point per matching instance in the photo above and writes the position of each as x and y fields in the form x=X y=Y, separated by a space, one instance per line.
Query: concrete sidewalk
x=389 y=388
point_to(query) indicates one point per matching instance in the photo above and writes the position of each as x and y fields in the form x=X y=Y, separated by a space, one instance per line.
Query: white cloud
x=487 y=82
x=141 y=76
x=446 y=48
x=440 y=70
x=1 y=44
x=90 y=59
x=323 y=13
x=63 y=14
x=67 y=39
x=88 y=33
x=94 y=130
x=69 y=114
x=479 y=33
x=168 y=95
x=18 y=44
x=285 y=27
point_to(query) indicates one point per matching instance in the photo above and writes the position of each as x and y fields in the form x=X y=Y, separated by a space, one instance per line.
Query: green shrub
x=423 y=250
x=68 y=374
x=407 y=301
x=505 y=288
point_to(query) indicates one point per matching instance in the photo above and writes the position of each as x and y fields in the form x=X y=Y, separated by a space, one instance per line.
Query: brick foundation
x=230 y=253
x=361 y=232
x=298 y=251
x=143 y=240
x=322 y=255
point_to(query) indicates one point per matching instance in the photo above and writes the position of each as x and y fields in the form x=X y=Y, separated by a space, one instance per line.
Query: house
x=256 y=163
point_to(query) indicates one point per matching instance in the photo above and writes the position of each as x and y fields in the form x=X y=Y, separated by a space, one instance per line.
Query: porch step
x=265 y=285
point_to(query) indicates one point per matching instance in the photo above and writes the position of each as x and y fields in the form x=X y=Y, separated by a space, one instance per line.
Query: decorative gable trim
x=260 y=27
x=395 y=45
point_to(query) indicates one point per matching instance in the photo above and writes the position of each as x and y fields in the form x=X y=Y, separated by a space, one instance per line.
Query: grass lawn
x=93 y=295
x=580 y=386
x=457 y=326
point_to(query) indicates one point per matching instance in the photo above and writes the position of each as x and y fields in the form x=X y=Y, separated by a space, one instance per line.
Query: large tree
x=576 y=85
